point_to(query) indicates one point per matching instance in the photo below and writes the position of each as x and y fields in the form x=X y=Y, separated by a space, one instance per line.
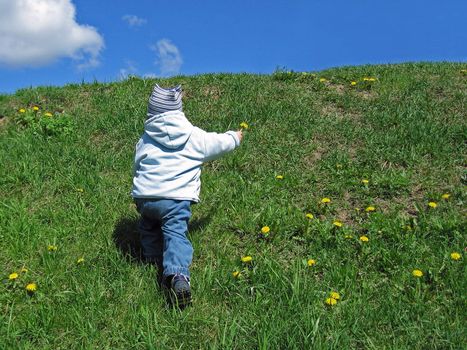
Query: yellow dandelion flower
x=364 y=238
x=348 y=236
x=337 y=223
x=48 y=114
x=446 y=196
x=246 y=259
x=365 y=181
x=322 y=80
x=80 y=260
x=265 y=230
x=280 y=177
x=35 y=108
x=52 y=248
x=22 y=110
x=31 y=287
x=353 y=83
x=370 y=208
x=432 y=204
x=369 y=79
x=236 y=274
x=417 y=273
x=311 y=262
x=13 y=276
x=244 y=125
x=331 y=301
x=309 y=216
x=455 y=256
x=325 y=200
x=334 y=295
x=79 y=190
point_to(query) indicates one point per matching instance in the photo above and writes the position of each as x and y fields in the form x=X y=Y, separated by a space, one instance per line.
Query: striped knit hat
x=164 y=100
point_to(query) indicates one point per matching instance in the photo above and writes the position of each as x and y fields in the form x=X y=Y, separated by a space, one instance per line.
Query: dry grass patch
x=213 y=92
x=3 y=121
x=311 y=160
x=366 y=95
x=339 y=88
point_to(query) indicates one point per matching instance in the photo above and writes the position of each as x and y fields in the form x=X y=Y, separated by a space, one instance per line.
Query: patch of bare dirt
x=339 y=88
x=407 y=203
x=325 y=143
x=366 y=95
x=329 y=109
x=212 y=92
x=353 y=149
x=97 y=138
x=314 y=157
x=3 y=121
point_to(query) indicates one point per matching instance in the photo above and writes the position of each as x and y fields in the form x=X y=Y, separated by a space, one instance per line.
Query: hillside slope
x=388 y=151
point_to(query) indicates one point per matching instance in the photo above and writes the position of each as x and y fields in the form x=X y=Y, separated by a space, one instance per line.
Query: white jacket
x=169 y=156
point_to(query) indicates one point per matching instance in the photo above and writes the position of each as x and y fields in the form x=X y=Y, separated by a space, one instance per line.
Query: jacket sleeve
x=216 y=145
x=137 y=159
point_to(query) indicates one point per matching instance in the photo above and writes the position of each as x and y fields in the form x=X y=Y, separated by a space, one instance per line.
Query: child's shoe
x=179 y=290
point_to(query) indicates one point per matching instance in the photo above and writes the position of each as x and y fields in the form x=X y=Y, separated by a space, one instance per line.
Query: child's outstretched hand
x=240 y=135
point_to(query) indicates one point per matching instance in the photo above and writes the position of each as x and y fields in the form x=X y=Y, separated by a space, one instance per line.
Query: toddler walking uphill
x=166 y=182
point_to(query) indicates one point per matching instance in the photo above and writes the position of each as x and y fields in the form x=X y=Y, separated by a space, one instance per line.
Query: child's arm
x=216 y=145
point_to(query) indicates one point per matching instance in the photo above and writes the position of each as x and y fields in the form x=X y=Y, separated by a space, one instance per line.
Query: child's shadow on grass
x=126 y=239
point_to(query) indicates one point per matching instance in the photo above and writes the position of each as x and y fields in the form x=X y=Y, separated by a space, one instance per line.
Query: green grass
x=70 y=187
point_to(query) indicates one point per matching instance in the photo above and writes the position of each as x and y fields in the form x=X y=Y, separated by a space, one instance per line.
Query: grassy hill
x=383 y=150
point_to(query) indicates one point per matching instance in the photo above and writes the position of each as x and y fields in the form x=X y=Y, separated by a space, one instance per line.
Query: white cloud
x=134 y=21
x=168 y=58
x=37 y=32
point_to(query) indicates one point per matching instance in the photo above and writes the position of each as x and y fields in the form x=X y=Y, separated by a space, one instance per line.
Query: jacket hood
x=170 y=129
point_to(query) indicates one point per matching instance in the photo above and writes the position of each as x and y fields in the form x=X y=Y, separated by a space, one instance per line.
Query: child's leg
x=178 y=251
x=174 y=216
x=150 y=232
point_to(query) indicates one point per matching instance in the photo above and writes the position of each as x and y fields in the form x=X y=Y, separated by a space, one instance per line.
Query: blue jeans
x=163 y=229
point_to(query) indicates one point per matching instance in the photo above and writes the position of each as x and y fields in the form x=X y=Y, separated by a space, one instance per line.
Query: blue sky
x=55 y=42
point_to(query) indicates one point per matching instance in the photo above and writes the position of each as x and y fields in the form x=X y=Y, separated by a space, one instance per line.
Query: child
x=166 y=181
